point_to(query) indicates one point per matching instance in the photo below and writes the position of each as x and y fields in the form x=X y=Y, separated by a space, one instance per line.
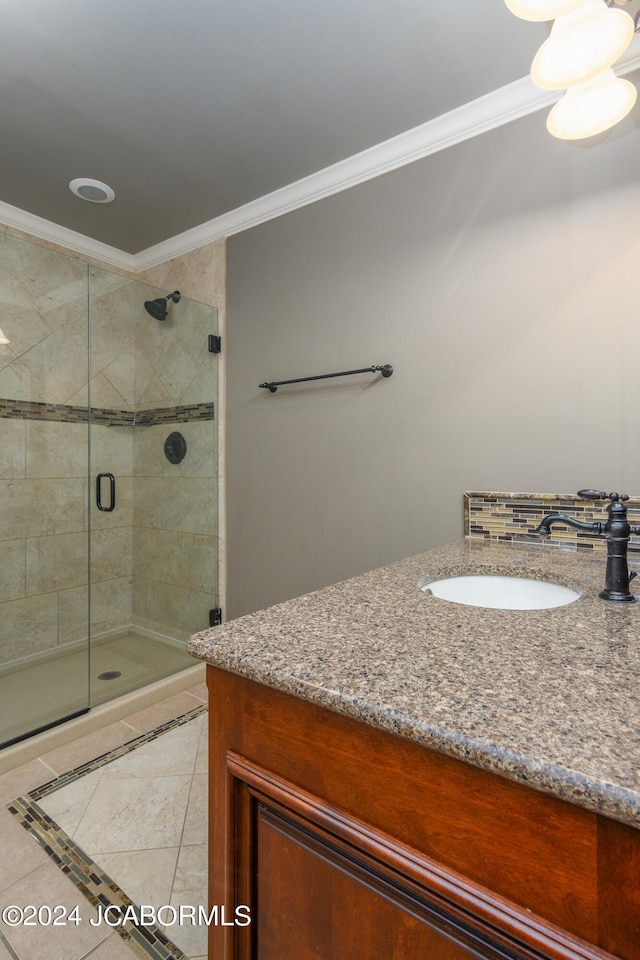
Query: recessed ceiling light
x=92 y=190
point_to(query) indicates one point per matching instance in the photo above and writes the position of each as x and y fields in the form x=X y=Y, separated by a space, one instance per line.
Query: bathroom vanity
x=396 y=776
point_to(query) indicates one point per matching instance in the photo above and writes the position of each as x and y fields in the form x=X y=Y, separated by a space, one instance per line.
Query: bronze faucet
x=617 y=532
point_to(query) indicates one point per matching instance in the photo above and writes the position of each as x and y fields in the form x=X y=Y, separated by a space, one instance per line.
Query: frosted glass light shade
x=541 y=9
x=582 y=44
x=591 y=107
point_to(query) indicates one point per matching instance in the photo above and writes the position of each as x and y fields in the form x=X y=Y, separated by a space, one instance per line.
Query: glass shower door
x=153 y=516
x=108 y=485
x=44 y=647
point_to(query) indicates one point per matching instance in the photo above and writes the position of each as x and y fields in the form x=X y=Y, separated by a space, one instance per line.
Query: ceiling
x=194 y=108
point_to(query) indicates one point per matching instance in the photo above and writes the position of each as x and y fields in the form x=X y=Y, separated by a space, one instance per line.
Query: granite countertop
x=549 y=698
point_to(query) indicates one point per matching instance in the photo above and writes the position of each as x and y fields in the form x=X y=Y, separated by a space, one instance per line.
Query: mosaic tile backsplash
x=515 y=516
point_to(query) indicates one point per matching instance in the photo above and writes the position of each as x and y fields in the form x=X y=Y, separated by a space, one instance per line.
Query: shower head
x=158 y=308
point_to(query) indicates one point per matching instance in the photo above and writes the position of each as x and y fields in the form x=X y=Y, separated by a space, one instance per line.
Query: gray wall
x=499 y=277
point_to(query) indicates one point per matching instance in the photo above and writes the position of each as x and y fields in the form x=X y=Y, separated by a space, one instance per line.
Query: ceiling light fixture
x=582 y=44
x=541 y=9
x=586 y=38
x=591 y=107
x=95 y=191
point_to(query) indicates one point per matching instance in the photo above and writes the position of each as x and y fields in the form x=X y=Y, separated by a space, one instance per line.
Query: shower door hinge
x=215 y=343
x=215 y=617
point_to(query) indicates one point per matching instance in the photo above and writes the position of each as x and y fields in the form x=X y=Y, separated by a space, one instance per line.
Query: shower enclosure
x=108 y=485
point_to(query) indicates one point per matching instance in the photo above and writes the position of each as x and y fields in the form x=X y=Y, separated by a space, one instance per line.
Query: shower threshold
x=39 y=691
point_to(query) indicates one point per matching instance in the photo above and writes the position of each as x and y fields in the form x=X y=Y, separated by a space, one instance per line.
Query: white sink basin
x=501 y=593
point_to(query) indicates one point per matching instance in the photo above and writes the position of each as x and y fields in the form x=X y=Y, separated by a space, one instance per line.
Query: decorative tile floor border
x=147 y=941
x=66 y=413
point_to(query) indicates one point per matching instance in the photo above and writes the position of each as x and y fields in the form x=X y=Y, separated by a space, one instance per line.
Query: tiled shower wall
x=43 y=459
x=167 y=378
x=46 y=502
x=175 y=532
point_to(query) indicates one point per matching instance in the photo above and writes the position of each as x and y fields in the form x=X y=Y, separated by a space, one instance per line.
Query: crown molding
x=478 y=116
x=60 y=236
x=501 y=106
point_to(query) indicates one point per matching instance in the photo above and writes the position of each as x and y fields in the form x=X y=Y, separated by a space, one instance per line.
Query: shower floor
x=41 y=690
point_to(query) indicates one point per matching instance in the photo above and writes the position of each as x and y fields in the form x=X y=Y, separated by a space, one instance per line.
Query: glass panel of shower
x=153 y=457
x=108 y=485
x=44 y=550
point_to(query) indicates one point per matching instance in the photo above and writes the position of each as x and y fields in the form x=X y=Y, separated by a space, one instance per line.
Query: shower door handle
x=112 y=492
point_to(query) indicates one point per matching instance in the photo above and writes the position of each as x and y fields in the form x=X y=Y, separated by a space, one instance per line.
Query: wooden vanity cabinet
x=349 y=843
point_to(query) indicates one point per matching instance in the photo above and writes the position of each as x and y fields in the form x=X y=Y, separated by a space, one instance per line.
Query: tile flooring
x=129 y=820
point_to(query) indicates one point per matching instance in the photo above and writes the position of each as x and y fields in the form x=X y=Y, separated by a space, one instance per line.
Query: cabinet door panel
x=316 y=902
x=324 y=885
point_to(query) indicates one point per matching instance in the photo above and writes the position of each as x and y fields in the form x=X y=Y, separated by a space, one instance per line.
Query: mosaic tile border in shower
x=514 y=516
x=67 y=413
x=60 y=412
x=147 y=941
x=182 y=414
